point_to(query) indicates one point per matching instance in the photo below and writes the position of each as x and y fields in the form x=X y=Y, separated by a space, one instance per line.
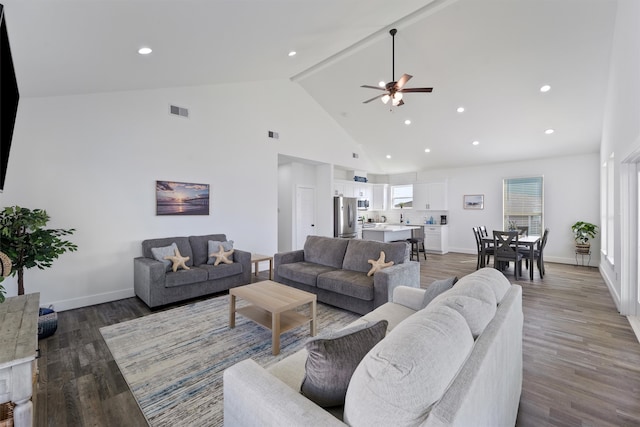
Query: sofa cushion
x=391 y=387
x=181 y=242
x=491 y=277
x=221 y=270
x=360 y=251
x=303 y=272
x=331 y=361
x=476 y=302
x=160 y=253
x=345 y=282
x=200 y=246
x=326 y=251
x=214 y=247
x=184 y=277
x=436 y=288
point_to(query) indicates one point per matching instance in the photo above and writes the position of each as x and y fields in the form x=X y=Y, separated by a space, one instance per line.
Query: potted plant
x=582 y=232
x=28 y=244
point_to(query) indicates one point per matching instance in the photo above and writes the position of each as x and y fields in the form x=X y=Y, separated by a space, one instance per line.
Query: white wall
x=92 y=161
x=621 y=130
x=571 y=193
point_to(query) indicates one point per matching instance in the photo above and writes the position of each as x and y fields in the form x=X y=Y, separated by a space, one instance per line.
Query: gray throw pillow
x=214 y=247
x=436 y=288
x=332 y=361
x=160 y=253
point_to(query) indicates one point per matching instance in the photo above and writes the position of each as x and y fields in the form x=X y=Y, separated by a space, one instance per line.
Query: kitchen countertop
x=370 y=225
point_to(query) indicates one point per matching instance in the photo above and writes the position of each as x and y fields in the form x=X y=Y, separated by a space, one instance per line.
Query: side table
x=257 y=258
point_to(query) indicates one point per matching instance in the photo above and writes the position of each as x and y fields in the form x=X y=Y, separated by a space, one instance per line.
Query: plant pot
x=47 y=322
x=583 y=248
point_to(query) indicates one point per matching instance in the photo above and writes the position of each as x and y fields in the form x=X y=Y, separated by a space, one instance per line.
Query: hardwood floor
x=581 y=358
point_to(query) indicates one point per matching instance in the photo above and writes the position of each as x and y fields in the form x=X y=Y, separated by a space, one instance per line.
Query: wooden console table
x=18 y=345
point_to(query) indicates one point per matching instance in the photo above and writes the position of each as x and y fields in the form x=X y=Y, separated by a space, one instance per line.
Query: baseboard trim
x=86 y=301
x=634 y=321
x=558 y=260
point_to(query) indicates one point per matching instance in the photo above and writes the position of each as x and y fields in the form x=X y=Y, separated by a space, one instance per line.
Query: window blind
x=523 y=203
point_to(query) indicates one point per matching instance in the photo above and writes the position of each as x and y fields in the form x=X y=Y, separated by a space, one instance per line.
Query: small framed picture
x=473 y=201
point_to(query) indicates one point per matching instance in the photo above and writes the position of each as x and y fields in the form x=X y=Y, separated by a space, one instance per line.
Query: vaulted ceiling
x=489 y=56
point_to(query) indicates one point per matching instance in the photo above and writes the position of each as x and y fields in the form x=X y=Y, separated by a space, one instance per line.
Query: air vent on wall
x=178 y=111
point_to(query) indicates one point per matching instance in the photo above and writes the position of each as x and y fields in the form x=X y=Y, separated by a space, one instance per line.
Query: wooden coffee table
x=272 y=306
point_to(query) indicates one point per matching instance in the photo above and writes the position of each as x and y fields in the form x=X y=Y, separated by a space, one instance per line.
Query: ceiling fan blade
x=403 y=80
x=416 y=89
x=374 y=98
x=373 y=87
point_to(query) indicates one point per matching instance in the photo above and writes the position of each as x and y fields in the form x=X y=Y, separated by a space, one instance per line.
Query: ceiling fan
x=394 y=89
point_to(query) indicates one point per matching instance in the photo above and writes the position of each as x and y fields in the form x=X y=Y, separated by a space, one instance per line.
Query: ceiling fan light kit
x=394 y=89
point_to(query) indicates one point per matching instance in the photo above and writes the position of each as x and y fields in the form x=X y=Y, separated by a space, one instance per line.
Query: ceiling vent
x=178 y=111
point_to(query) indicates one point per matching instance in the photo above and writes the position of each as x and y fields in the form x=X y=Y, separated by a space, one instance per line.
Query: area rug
x=173 y=360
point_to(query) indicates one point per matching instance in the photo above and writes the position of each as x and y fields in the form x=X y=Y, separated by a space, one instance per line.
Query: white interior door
x=305 y=214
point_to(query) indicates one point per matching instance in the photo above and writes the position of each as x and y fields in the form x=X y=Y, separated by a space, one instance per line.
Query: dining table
x=528 y=242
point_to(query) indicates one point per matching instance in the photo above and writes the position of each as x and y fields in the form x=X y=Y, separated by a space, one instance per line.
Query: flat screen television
x=8 y=97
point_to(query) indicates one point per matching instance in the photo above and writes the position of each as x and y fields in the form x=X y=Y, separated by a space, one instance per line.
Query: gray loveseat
x=156 y=286
x=336 y=271
x=457 y=362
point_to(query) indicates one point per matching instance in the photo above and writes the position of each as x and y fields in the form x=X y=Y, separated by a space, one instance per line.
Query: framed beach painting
x=181 y=198
x=473 y=201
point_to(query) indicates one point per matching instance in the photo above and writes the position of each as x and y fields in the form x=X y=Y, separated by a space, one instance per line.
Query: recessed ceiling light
x=388 y=156
x=460 y=109
x=292 y=53
x=427 y=150
x=145 y=50
x=382 y=84
x=476 y=142
x=549 y=131
x=407 y=122
x=545 y=88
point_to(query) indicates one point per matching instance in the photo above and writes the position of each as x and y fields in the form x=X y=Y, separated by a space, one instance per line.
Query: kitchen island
x=387 y=233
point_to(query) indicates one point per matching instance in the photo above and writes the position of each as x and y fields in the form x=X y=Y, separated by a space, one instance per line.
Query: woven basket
x=6 y=414
x=47 y=323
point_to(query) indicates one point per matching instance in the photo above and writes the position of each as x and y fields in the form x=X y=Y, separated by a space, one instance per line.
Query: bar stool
x=415 y=243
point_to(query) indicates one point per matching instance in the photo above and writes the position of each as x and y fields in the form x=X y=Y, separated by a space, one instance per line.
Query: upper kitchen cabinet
x=361 y=190
x=379 y=197
x=430 y=196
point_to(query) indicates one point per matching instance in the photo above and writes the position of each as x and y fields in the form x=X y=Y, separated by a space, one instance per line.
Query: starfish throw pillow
x=178 y=261
x=222 y=256
x=378 y=264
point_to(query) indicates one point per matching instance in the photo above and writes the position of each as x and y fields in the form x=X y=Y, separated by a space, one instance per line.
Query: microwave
x=363 y=204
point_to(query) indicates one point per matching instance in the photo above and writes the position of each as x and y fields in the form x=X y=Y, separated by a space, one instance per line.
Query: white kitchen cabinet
x=436 y=238
x=430 y=196
x=379 y=197
x=361 y=190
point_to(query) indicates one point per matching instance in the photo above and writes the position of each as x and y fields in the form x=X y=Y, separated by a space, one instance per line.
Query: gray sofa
x=457 y=362
x=156 y=286
x=336 y=271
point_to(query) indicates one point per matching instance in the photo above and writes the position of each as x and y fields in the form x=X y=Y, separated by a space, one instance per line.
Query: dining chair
x=524 y=230
x=538 y=253
x=505 y=245
x=483 y=231
x=488 y=249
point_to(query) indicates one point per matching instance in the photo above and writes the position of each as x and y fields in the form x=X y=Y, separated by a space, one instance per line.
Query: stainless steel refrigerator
x=344 y=217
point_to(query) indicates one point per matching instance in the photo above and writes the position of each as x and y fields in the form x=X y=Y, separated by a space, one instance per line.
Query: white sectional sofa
x=456 y=362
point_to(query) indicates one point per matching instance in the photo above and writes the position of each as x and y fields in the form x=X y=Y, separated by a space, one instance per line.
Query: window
x=523 y=204
x=401 y=196
x=607 y=208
